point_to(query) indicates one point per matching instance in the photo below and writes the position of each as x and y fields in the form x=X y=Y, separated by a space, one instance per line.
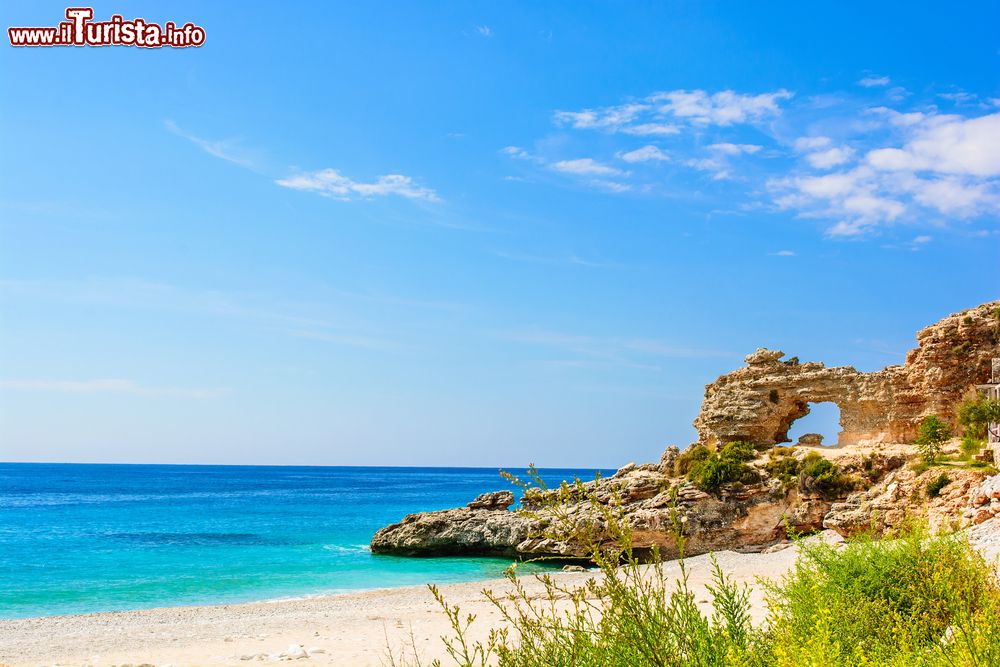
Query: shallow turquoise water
x=82 y=538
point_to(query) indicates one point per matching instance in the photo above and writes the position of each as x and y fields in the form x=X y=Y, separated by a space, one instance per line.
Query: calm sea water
x=83 y=538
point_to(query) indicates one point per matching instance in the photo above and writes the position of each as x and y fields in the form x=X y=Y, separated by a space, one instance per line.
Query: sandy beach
x=354 y=629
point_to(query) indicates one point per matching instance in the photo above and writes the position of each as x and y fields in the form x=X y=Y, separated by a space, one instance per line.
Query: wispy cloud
x=726 y=107
x=728 y=148
x=784 y=253
x=647 y=153
x=845 y=160
x=228 y=150
x=484 y=30
x=110 y=385
x=327 y=182
x=943 y=164
x=661 y=113
x=586 y=167
x=331 y=183
x=874 y=81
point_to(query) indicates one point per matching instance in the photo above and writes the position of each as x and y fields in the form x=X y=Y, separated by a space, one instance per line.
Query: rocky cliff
x=776 y=492
x=759 y=402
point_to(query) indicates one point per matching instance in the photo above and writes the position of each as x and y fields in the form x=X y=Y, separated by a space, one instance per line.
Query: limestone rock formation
x=759 y=402
x=648 y=499
x=484 y=527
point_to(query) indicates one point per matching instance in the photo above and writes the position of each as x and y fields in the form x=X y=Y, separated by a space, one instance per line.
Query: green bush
x=975 y=414
x=821 y=475
x=783 y=465
x=689 y=457
x=935 y=485
x=915 y=600
x=971 y=446
x=739 y=451
x=887 y=603
x=931 y=436
x=728 y=466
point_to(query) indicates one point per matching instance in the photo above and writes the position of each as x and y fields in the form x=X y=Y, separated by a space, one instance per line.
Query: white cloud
x=111 y=385
x=648 y=117
x=921 y=240
x=954 y=197
x=900 y=119
x=723 y=108
x=586 y=166
x=735 y=149
x=331 y=183
x=959 y=97
x=610 y=186
x=228 y=150
x=648 y=153
x=651 y=129
x=516 y=151
x=784 y=253
x=940 y=164
x=718 y=167
x=612 y=118
x=484 y=30
x=830 y=157
x=811 y=143
x=949 y=145
x=874 y=81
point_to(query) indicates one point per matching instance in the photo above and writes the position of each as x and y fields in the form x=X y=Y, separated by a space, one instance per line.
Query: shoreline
x=347 y=630
x=351 y=629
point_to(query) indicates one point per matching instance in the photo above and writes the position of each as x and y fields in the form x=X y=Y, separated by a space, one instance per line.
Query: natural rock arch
x=760 y=401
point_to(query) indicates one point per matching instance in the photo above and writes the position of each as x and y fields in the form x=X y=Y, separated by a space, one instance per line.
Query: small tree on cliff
x=931 y=436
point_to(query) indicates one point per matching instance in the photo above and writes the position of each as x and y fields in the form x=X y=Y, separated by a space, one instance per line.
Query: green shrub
x=739 y=451
x=935 y=485
x=821 y=475
x=783 y=465
x=710 y=474
x=690 y=456
x=931 y=436
x=975 y=414
x=728 y=466
x=913 y=601
x=971 y=446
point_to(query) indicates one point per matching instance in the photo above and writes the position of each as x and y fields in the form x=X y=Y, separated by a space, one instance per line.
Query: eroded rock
x=482 y=528
x=759 y=402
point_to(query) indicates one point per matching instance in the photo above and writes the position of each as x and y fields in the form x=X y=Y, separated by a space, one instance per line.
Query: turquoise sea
x=82 y=538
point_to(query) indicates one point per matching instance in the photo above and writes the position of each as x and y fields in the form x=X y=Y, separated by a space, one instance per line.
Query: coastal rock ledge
x=780 y=490
x=484 y=527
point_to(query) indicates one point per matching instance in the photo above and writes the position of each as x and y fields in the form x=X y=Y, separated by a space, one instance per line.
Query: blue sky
x=475 y=233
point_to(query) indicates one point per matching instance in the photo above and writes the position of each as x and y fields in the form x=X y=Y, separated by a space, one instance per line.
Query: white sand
x=349 y=629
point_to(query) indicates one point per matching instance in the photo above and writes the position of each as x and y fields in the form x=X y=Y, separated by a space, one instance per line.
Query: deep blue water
x=82 y=538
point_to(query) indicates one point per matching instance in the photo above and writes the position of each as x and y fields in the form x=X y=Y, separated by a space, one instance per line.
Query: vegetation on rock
x=728 y=466
x=935 y=485
x=911 y=600
x=932 y=434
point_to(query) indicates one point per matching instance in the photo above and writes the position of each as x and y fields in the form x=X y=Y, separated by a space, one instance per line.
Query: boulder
x=484 y=527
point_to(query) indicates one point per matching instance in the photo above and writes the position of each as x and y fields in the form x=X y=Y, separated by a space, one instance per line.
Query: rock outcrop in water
x=484 y=527
x=756 y=404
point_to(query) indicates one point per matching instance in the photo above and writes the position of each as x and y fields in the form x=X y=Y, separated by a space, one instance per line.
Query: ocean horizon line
x=315 y=465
